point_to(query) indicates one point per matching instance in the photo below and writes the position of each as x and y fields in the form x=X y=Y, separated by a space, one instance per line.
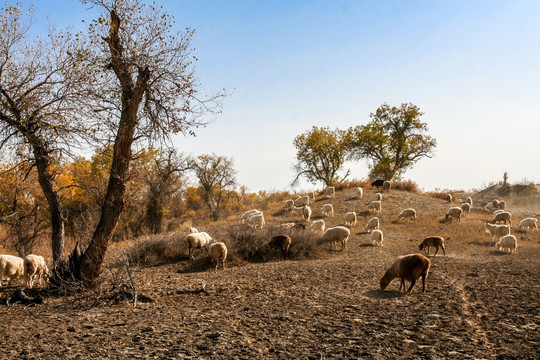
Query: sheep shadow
x=353 y=198
x=365 y=213
x=368 y=245
x=499 y=253
x=384 y=294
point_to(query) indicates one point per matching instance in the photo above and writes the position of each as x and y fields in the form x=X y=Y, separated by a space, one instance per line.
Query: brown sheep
x=432 y=241
x=282 y=243
x=407 y=267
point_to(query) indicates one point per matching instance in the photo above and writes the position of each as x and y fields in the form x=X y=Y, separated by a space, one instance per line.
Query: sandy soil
x=480 y=303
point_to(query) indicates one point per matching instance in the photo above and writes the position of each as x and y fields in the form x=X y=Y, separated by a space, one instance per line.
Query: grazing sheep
x=35 y=267
x=469 y=201
x=199 y=240
x=449 y=198
x=377 y=237
x=312 y=196
x=466 y=207
x=256 y=220
x=407 y=213
x=336 y=234
x=288 y=205
x=495 y=204
x=496 y=230
x=217 y=252
x=304 y=212
x=375 y=205
x=193 y=230
x=327 y=210
x=408 y=268
x=454 y=213
x=247 y=214
x=350 y=219
x=502 y=204
x=281 y=242
x=318 y=225
x=507 y=243
x=378 y=197
x=504 y=217
x=528 y=223
x=301 y=201
x=11 y=268
x=360 y=192
x=330 y=192
x=372 y=224
x=497 y=211
x=386 y=185
x=432 y=241
x=377 y=183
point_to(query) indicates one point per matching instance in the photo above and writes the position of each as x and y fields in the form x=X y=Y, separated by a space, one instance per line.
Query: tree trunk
x=57 y=222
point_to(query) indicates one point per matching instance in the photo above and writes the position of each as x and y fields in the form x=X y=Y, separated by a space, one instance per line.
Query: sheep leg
x=444 y=250
x=412 y=284
x=423 y=283
x=402 y=284
x=436 y=250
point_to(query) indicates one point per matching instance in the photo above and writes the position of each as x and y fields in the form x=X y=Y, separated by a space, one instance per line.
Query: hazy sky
x=473 y=68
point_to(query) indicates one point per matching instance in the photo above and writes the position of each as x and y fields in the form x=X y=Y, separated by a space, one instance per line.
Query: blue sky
x=473 y=68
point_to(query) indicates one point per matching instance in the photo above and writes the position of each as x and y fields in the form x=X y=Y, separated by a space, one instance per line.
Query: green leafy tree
x=321 y=154
x=393 y=141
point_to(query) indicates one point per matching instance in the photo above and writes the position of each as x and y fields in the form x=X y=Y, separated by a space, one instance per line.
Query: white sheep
x=11 y=268
x=504 y=217
x=469 y=201
x=377 y=237
x=528 y=223
x=330 y=192
x=318 y=225
x=386 y=185
x=496 y=230
x=350 y=219
x=502 y=204
x=454 y=213
x=407 y=267
x=288 y=204
x=312 y=196
x=301 y=201
x=497 y=212
x=407 y=213
x=466 y=207
x=193 y=230
x=507 y=243
x=247 y=214
x=375 y=205
x=360 y=192
x=217 y=252
x=303 y=211
x=449 y=198
x=495 y=204
x=200 y=240
x=372 y=224
x=256 y=220
x=327 y=210
x=35 y=267
x=337 y=234
x=378 y=197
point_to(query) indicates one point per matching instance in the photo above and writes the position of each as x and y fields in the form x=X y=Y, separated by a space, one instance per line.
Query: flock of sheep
x=30 y=267
x=407 y=267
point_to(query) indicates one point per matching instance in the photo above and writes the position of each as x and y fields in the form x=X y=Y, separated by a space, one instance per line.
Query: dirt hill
x=480 y=303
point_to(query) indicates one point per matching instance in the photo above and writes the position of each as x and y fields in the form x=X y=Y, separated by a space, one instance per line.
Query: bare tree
x=216 y=175
x=163 y=180
x=37 y=93
x=144 y=88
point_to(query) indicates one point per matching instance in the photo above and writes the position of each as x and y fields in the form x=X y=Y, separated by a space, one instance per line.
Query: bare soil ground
x=480 y=303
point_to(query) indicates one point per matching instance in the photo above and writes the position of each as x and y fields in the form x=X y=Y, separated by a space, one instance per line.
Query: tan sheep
x=327 y=210
x=372 y=224
x=408 y=268
x=449 y=198
x=496 y=230
x=318 y=226
x=375 y=205
x=386 y=185
x=409 y=213
x=35 y=267
x=507 y=243
x=528 y=223
x=454 y=213
x=336 y=234
x=11 y=268
x=377 y=237
x=466 y=207
x=217 y=253
x=432 y=241
x=350 y=219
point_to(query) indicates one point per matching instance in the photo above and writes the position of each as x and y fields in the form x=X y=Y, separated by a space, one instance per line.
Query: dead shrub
x=405 y=185
x=442 y=195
